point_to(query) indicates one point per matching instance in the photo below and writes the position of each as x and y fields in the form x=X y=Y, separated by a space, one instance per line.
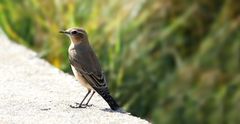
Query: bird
x=86 y=68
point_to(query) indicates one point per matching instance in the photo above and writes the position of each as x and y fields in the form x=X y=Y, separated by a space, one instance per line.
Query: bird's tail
x=108 y=98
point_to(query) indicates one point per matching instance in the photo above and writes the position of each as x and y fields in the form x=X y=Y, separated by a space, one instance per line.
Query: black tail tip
x=115 y=108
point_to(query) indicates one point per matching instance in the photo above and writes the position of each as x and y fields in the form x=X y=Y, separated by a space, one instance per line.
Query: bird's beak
x=65 y=32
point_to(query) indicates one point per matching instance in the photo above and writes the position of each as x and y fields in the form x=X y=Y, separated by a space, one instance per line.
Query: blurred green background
x=168 y=61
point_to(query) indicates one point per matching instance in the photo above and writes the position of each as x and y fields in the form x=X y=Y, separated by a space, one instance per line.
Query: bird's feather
x=85 y=62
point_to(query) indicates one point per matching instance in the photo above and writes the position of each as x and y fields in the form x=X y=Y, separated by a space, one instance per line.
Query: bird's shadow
x=108 y=110
x=112 y=111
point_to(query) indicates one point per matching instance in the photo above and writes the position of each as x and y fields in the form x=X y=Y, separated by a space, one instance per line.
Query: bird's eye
x=74 y=32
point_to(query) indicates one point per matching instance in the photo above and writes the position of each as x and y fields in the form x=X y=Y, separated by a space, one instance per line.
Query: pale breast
x=81 y=79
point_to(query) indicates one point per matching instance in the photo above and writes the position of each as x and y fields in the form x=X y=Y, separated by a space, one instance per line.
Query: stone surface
x=33 y=91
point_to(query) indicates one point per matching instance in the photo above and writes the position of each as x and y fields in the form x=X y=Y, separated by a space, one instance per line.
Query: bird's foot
x=78 y=105
x=88 y=105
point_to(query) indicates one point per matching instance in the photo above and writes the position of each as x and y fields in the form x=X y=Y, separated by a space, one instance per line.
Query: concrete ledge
x=33 y=91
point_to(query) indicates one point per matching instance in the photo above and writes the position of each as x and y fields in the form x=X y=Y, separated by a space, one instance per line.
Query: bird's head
x=77 y=35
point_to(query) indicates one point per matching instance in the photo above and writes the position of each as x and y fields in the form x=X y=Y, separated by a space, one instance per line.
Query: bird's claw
x=78 y=105
x=89 y=105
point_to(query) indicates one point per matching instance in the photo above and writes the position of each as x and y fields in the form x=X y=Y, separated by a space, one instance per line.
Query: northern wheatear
x=86 y=68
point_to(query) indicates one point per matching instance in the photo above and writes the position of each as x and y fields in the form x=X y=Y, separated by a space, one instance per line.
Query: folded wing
x=86 y=63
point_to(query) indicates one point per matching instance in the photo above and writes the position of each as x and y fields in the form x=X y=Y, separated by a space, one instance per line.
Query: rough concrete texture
x=33 y=91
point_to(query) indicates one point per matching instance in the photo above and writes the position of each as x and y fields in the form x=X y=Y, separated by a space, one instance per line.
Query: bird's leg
x=80 y=105
x=90 y=99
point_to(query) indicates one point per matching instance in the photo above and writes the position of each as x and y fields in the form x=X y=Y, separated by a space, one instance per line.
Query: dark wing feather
x=85 y=62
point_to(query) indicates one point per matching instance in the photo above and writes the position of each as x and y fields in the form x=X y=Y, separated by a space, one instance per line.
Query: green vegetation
x=168 y=61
